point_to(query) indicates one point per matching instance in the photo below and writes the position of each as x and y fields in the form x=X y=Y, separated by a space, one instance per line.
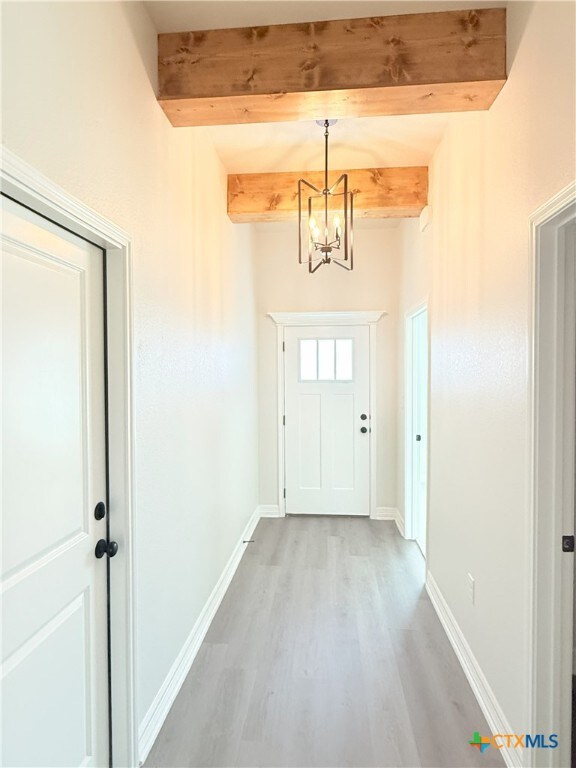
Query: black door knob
x=363 y=430
x=418 y=438
x=100 y=510
x=106 y=548
x=363 y=416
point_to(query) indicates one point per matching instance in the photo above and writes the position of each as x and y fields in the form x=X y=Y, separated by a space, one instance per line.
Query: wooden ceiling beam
x=378 y=193
x=385 y=65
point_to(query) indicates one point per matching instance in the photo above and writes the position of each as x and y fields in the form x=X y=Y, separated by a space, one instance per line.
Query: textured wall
x=79 y=104
x=491 y=171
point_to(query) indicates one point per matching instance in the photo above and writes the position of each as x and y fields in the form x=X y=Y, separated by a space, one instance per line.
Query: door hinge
x=283 y=346
x=283 y=421
x=567 y=543
x=284 y=492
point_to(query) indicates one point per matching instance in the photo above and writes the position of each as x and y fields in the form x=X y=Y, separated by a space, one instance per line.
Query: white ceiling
x=298 y=146
x=366 y=142
x=188 y=15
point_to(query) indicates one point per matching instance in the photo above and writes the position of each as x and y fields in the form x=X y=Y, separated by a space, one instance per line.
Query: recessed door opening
x=554 y=467
x=416 y=426
x=327 y=412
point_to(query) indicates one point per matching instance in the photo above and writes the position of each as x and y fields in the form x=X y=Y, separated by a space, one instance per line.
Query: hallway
x=326 y=651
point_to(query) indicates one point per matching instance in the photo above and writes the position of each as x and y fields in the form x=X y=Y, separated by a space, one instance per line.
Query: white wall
x=489 y=173
x=79 y=104
x=282 y=285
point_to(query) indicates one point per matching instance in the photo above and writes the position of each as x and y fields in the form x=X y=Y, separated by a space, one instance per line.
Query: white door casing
x=54 y=655
x=286 y=320
x=327 y=392
x=551 y=476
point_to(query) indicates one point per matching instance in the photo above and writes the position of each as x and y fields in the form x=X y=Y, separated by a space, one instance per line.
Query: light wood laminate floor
x=325 y=651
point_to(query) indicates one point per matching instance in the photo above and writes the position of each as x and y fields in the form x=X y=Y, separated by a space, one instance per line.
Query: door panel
x=54 y=658
x=310 y=433
x=59 y=655
x=43 y=351
x=327 y=388
x=341 y=424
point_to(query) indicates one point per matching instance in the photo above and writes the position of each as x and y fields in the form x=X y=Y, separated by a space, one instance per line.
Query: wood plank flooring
x=325 y=652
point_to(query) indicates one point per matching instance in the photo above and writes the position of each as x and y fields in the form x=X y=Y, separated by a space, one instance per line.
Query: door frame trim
x=285 y=319
x=551 y=573
x=30 y=188
x=409 y=522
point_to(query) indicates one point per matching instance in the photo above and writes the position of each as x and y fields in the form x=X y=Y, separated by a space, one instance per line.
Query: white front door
x=54 y=659
x=327 y=431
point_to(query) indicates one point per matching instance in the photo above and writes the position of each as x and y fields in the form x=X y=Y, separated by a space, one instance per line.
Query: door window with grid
x=327 y=360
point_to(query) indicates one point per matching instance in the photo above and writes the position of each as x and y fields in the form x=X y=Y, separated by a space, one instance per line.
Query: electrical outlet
x=471 y=588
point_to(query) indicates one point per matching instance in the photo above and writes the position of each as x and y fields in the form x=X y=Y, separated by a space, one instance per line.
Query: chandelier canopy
x=325 y=219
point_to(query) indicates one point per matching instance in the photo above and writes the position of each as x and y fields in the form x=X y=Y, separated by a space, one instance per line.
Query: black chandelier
x=325 y=219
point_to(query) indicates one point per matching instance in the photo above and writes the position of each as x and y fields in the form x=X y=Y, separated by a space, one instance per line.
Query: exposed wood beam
x=385 y=65
x=379 y=193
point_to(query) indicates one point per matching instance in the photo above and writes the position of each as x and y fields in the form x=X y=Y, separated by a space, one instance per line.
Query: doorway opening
x=416 y=425
x=327 y=412
x=552 y=490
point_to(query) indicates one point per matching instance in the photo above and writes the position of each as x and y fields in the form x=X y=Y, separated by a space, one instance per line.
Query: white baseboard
x=390 y=513
x=269 y=510
x=154 y=718
x=385 y=513
x=489 y=705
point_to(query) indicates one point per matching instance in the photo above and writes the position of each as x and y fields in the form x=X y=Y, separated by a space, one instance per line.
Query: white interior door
x=419 y=423
x=54 y=660
x=327 y=431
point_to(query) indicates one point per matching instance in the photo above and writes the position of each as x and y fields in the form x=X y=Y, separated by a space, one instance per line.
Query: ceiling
x=366 y=142
x=369 y=142
x=188 y=15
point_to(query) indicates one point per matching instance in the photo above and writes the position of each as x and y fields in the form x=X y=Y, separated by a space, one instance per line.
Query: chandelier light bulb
x=337 y=229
